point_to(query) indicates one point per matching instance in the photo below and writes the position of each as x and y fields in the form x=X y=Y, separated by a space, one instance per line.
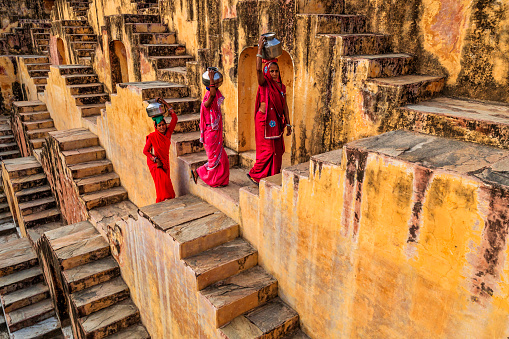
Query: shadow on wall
x=62 y=60
x=118 y=64
x=247 y=87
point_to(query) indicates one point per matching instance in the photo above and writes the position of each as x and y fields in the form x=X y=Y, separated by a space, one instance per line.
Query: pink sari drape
x=216 y=172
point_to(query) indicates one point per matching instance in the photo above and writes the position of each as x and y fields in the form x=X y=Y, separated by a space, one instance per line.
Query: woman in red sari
x=271 y=118
x=216 y=172
x=157 y=150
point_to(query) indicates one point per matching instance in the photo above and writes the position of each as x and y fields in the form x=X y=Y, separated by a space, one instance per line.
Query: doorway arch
x=247 y=88
x=118 y=64
x=62 y=60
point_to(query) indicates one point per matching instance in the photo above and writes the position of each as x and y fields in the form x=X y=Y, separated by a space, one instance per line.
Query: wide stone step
x=184 y=105
x=229 y=298
x=40 y=133
x=340 y=24
x=82 y=37
x=363 y=43
x=33 y=193
x=91 y=99
x=73 y=22
x=187 y=123
x=76 y=138
x=40 y=124
x=40 y=80
x=221 y=262
x=82 y=252
x=406 y=88
x=83 y=45
x=38 y=205
x=135 y=18
x=8 y=147
x=4 y=207
x=136 y=331
x=147 y=27
x=78 y=29
x=28 y=181
x=23 y=167
x=48 y=328
x=110 y=320
x=157 y=38
x=38 y=73
x=75 y=70
x=3 y=198
x=20 y=279
x=462 y=119
x=86 y=89
x=171 y=60
x=7 y=228
x=29 y=315
x=10 y=154
x=91 y=110
x=6 y=217
x=37 y=143
x=91 y=274
x=380 y=66
x=104 y=197
x=195 y=160
x=274 y=319
x=91 y=168
x=184 y=143
x=84 y=52
x=100 y=296
x=82 y=155
x=76 y=79
x=35 y=116
x=98 y=182
x=25 y=297
x=164 y=49
x=7 y=139
x=5 y=130
x=30 y=106
x=40 y=66
x=35 y=59
x=42 y=217
x=173 y=74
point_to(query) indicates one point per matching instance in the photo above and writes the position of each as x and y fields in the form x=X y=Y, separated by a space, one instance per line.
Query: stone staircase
x=236 y=295
x=97 y=297
x=8 y=147
x=80 y=37
x=80 y=7
x=30 y=197
x=146 y=7
x=25 y=297
x=40 y=36
x=32 y=123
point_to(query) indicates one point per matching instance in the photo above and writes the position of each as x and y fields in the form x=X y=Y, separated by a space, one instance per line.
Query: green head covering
x=158 y=119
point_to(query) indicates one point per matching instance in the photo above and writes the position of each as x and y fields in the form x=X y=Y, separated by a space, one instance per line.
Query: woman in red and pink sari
x=216 y=172
x=271 y=118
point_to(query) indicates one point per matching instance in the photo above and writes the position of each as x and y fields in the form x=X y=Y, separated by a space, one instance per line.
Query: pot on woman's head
x=272 y=48
x=154 y=108
x=217 y=76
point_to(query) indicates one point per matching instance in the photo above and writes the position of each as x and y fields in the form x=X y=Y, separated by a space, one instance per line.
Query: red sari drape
x=158 y=145
x=216 y=172
x=269 y=128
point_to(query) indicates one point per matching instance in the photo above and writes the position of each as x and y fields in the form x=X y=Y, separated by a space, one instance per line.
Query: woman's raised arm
x=259 y=70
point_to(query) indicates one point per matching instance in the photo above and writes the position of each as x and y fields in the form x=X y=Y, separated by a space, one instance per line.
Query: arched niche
x=62 y=60
x=247 y=87
x=118 y=64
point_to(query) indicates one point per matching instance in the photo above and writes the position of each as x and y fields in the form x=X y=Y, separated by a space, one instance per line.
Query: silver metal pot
x=154 y=108
x=272 y=47
x=217 y=77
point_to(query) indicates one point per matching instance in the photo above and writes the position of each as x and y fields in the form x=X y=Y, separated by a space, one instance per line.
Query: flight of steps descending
x=80 y=7
x=88 y=93
x=38 y=69
x=40 y=36
x=32 y=122
x=146 y=6
x=35 y=207
x=99 y=299
x=81 y=39
x=8 y=147
x=236 y=294
x=25 y=297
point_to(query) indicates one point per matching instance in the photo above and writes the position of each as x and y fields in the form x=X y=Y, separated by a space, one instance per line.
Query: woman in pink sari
x=216 y=172
x=271 y=118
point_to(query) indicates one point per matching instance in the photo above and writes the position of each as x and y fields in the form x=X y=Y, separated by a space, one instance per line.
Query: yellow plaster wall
x=7 y=79
x=26 y=81
x=373 y=283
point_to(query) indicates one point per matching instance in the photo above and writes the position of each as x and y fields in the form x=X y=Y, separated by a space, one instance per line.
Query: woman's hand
x=288 y=130
x=159 y=163
x=161 y=101
x=211 y=75
x=261 y=43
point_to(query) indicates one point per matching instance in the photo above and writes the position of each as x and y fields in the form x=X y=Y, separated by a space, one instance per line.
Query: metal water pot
x=272 y=47
x=154 y=108
x=217 y=77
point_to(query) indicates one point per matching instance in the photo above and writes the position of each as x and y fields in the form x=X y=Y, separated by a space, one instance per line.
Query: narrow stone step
x=184 y=143
x=8 y=147
x=82 y=37
x=29 y=315
x=20 y=279
x=173 y=74
x=98 y=182
x=163 y=49
x=35 y=116
x=38 y=205
x=42 y=65
x=6 y=138
x=86 y=89
x=7 y=228
x=5 y=130
x=75 y=138
x=23 y=167
x=274 y=319
x=195 y=160
x=104 y=197
x=187 y=123
x=83 y=252
x=33 y=193
x=4 y=207
x=363 y=43
x=340 y=24
x=171 y=60
x=91 y=274
x=184 y=105
x=30 y=106
x=42 y=217
x=5 y=217
x=75 y=70
x=10 y=154
x=380 y=65
x=25 y=297
x=18 y=258
x=38 y=73
x=48 y=328
x=77 y=29
x=36 y=232
x=75 y=79
x=227 y=299
x=37 y=143
x=157 y=38
x=3 y=198
x=82 y=155
x=221 y=262
x=41 y=80
x=40 y=133
x=100 y=296
x=110 y=320
x=147 y=27
x=39 y=124
x=91 y=99
x=91 y=110
x=91 y=168
x=137 y=331
x=29 y=181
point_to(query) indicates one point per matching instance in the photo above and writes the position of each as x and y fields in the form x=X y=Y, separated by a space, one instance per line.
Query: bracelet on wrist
x=259 y=55
x=288 y=125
